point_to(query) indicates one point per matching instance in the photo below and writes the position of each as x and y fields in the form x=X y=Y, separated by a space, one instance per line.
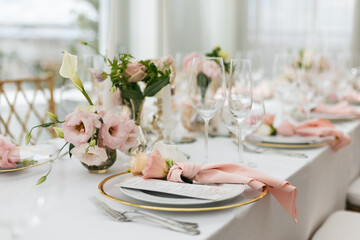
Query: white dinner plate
x=32 y=157
x=176 y=200
x=330 y=117
x=296 y=141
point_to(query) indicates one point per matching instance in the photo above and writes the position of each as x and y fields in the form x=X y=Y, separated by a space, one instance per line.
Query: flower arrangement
x=93 y=134
x=207 y=70
x=137 y=79
x=215 y=52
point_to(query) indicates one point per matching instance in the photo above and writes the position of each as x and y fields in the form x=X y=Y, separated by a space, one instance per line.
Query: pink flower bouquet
x=93 y=135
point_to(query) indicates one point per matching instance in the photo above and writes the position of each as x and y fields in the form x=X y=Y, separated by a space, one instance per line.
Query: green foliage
x=215 y=53
x=203 y=82
x=154 y=80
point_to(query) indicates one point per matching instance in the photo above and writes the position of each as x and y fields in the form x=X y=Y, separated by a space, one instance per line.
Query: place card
x=200 y=191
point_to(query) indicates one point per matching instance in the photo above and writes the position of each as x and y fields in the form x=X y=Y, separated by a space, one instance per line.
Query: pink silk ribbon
x=284 y=193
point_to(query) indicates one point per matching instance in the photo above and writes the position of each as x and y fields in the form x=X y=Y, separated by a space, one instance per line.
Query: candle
x=108 y=96
x=166 y=99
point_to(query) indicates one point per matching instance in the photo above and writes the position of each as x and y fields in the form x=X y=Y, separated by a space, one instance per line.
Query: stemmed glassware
x=206 y=89
x=307 y=80
x=251 y=123
x=240 y=95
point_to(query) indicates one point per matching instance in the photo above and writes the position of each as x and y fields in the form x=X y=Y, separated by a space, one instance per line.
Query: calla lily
x=69 y=70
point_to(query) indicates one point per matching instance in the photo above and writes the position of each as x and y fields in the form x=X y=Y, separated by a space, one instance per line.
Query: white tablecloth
x=321 y=179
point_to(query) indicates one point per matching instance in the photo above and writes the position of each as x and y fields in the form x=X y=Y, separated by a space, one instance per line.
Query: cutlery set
x=130 y=215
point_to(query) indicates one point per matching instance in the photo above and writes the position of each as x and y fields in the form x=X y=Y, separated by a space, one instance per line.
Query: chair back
x=23 y=104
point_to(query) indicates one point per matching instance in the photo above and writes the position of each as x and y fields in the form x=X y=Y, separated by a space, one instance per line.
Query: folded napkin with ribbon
x=165 y=162
x=315 y=127
x=340 y=109
x=284 y=193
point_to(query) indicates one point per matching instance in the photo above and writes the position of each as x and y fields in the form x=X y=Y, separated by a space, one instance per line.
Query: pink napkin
x=236 y=173
x=315 y=127
x=352 y=96
x=340 y=109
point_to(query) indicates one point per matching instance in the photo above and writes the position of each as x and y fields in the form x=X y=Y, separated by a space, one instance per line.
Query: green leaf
x=41 y=180
x=71 y=146
x=28 y=138
x=185 y=179
x=131 y=94
x=203 y=82
x=154 y=88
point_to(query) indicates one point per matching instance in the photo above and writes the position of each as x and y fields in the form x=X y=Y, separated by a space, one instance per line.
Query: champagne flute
x=252 y=122
x=240 y=95
x=207 y=89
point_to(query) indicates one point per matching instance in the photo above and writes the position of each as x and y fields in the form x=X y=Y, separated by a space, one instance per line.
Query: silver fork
x=184 y=227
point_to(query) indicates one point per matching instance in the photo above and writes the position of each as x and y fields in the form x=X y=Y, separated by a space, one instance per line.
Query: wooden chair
x=23 y=104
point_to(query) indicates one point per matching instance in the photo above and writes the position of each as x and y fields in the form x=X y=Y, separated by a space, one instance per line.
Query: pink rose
x=79 y=125
x=136 y=72
x=132 y=134
x=286 y=128
x=187 y=62
x=137 y=163
x=9 y=154
x=269 y=119
x=164 y=62
x=155 y=166
x=211 y=69
x=94 y=157
x=117 y=133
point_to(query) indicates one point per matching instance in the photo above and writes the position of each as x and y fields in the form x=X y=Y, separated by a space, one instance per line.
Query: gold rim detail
x=174 y=209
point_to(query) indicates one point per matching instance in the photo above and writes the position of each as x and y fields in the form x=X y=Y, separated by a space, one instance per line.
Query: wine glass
x=240 y=95
x=284 y=75
x=307 y=80
x=206 y=89
x=251 y=123
x=257 y=66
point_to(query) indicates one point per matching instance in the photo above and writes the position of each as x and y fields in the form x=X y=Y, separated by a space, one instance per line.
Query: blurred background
x=33 y=32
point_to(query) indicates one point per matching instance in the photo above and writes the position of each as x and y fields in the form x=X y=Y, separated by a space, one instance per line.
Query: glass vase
x=143 y=140
x=105 y=165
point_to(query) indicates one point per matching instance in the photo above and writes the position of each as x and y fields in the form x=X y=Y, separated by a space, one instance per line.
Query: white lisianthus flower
x=169 y=152
x=69 y=70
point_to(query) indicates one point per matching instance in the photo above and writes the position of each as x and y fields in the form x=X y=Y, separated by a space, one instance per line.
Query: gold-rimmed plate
x=331 y=117
x=108 y=189
x=30 y=157
x=289 y=142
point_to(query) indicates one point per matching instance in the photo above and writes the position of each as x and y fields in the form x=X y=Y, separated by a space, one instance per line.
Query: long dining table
x=321 y=179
